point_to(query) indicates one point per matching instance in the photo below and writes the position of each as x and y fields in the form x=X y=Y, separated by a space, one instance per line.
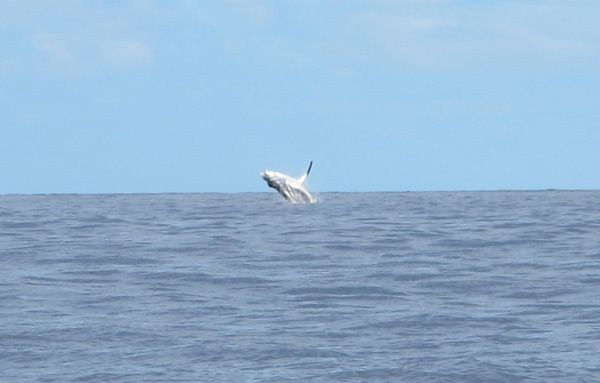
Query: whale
x=292 y=189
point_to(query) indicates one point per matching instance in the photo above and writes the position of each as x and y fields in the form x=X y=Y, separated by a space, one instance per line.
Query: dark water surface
x=360 y=287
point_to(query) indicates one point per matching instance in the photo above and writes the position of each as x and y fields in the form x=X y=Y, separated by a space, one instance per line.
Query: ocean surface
x=359 y=287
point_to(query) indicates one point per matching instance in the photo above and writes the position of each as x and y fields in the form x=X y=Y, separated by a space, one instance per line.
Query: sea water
x=359 y=287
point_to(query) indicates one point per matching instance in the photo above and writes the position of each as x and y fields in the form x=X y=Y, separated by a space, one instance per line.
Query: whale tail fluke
x=303 y=178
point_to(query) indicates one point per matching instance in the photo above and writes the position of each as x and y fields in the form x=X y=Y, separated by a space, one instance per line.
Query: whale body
x=292 y=189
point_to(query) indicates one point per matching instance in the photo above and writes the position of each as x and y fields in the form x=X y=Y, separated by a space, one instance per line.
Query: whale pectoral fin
x=303 y=178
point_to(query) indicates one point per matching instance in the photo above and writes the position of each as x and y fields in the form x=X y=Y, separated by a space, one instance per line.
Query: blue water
x=360 y=287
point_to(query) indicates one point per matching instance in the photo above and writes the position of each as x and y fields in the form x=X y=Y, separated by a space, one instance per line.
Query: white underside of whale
x=292 y=189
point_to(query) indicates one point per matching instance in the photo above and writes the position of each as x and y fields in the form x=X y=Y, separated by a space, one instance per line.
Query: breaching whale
x=290 y=188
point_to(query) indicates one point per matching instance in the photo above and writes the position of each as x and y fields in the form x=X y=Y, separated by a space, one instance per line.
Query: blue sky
x=199 y=96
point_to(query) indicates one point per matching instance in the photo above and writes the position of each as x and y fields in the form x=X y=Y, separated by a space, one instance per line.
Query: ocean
x=359 y=287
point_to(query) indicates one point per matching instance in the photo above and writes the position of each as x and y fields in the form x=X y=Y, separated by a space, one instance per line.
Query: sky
x=200 y=96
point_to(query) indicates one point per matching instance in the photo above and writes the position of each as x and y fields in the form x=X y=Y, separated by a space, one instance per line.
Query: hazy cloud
x=127 y=53
x=427 y=24
x=547 y=43
x=75 y=37
x=448 y=35
x=258 y=13
x=52 y=47
x=6 y=66
x=78 y=35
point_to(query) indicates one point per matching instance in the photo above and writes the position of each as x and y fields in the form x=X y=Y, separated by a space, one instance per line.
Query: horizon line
x=320 y=192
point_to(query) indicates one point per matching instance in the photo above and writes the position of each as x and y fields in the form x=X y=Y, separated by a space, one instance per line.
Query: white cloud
x=258 y=13
x=52 y=47
x=428 y=24
x=548 y=44
x=401 y=36
x=84 y=36
x=449 y=35
x=52 y=52
x=75 y=37
x=127 y=52
x=78 y=54
x=6 y=67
